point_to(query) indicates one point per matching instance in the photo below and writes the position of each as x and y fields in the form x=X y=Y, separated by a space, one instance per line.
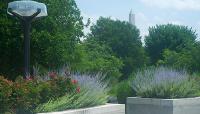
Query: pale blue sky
x=148 y=12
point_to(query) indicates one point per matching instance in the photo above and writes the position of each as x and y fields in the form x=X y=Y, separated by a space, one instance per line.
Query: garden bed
x=104 y=109
x=136 y=105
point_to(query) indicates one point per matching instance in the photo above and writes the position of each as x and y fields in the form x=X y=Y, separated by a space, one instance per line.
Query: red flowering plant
x=25 y=95
x=89 y=91
x=5 y=94
x=78 y=89
x=61 y=86
x=74 y=81
x=75 y=84
x=52 y=75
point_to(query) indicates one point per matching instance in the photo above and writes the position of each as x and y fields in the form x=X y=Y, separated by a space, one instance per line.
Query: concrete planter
x=137 y=105
x=105 y=109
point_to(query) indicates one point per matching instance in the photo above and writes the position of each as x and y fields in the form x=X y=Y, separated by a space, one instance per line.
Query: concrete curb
x=104 y=109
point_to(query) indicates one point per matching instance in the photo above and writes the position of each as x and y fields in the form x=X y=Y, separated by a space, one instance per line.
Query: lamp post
x=27 y=11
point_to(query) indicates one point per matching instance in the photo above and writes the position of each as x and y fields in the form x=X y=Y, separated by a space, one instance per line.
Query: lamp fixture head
x=27 y=8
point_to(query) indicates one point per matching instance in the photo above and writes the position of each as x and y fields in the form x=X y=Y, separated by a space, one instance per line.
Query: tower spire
x=131 y=12
x=132 y=17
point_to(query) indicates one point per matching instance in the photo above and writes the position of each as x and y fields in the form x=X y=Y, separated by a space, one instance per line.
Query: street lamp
x=27 y=11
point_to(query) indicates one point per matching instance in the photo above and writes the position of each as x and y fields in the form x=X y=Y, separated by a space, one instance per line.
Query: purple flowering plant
x=164 y=82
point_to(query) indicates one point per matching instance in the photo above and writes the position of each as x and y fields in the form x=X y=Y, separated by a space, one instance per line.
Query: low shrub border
x=51 y=93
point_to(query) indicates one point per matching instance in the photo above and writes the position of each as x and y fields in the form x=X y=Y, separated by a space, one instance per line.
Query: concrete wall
x=105 y=109
x=162 y=106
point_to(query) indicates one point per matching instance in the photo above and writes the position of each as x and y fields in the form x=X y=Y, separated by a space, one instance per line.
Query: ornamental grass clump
x=166 y=83
x=91 y=91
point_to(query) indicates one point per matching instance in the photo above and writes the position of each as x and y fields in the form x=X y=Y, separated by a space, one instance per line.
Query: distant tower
x=132 y=18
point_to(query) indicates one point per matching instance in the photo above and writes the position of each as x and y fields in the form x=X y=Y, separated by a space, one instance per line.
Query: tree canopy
x=187 y=58
x=172 y=37
x=124 y=40
x=99 y=58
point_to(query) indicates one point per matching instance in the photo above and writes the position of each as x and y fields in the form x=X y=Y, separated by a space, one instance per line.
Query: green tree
x=188 y=59
x=123 y=39
x=100 y=58
x=53 y=42
x=55 y=37
x=172 y=37
x=11 y=42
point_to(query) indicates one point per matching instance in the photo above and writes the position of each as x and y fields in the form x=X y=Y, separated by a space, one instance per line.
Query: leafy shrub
x=24 y=95
x=91 y=92
x=60 y=86
x=45 y=92
x=5 y=94
x=162 y=82
x=52 y=92
x=123 y=91
x=56 y=85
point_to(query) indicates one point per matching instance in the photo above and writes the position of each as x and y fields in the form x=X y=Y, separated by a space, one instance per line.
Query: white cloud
x=174 y=4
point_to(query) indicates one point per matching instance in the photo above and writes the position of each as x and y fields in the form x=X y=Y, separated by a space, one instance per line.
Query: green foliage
x=56 y=35
x=164 y=83
x=86 y=98
x=170 y=57
x=11 y=43
x=91 y=91
x=5 y=94
x=46 y=92
x=60 y=86
x=99 y=58
x=23 y=96
x=52 y=92
x=124 y=90
x=172 y=37
x=188 y=59
x=123 y=39
x=53 y=42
